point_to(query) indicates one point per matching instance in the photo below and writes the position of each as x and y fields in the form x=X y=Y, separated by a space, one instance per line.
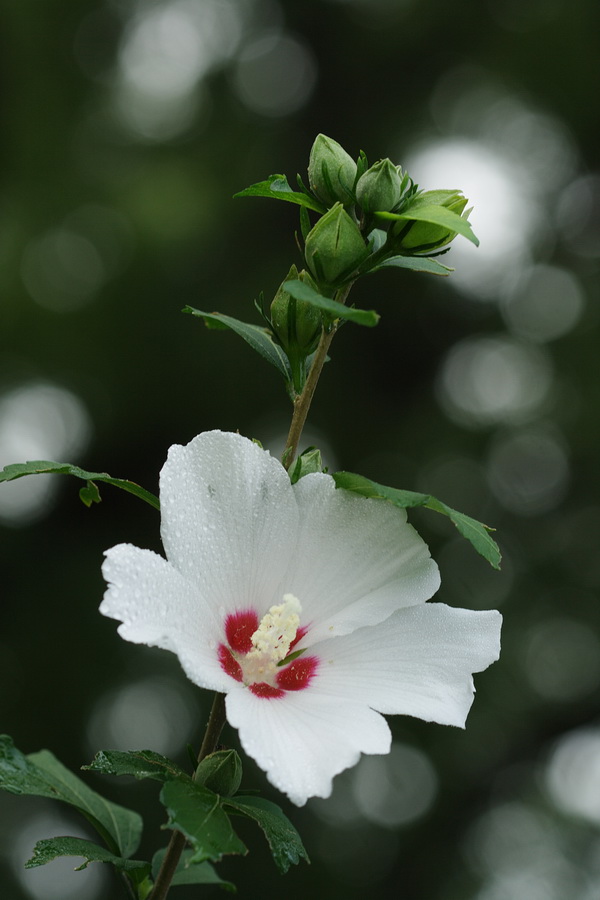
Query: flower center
x=277 y=630
x=255 y=652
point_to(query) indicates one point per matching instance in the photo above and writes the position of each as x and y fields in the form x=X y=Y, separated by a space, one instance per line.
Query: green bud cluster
x=368 y=215
x=354 y=220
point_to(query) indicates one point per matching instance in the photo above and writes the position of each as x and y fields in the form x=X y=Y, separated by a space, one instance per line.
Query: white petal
x=161 y=608
x=229 y=519
x=357 y=559
x=417 y=663
x=302 y=740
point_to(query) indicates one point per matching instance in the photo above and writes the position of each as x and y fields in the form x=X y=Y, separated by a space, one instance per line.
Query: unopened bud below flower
x=331 y=171
x=334 y=247
x=379 y=189
x=220 y=772
x=296 y=323
x=425 y=234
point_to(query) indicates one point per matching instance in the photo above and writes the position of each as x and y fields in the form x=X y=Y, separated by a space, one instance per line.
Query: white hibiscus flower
x=259 y=571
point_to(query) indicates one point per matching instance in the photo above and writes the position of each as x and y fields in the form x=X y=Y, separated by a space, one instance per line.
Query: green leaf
x=259 y=338
x=88 y=494
x=42 y=775
x=302 y=291
x=475 y=532
x=188 y=873
x=138 y=763
x=284 y=841
x=47 y=850
x=435 y=215
x=416 y=263
x=309 y=461
x=197 y=813
x=277 y=187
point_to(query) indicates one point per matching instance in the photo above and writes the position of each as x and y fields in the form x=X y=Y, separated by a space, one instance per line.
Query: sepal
x=308 y=462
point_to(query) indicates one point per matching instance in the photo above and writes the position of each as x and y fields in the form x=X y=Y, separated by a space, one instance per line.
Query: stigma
x=277 y=631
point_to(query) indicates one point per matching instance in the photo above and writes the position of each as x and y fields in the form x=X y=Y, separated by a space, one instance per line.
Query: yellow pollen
x=277 y=630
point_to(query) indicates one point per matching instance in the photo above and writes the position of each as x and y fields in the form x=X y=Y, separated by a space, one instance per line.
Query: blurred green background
x=127 y=126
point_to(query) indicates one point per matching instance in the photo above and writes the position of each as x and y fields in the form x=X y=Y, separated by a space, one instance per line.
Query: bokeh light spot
x=528 y=470
x=167 y=50
x=502 y=217
x=572 y=776
x=38 y=421
x=563 y=659
x=57 y=880
x=62 y=270
x=395 y=789
x=493 y=380
x=546 y=303
x=150 y=712
x=275 y=74
x=578 y=216
x=519 y=851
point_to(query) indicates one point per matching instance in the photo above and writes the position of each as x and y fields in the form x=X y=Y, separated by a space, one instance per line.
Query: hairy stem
x=303 y=400
x=177 y=842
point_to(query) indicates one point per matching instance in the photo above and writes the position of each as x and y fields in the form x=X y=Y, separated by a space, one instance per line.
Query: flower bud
x=379 y=189
x=296 y=323
x=426 y=235
x=331 y=171
x=334 y=247
x=220 y=772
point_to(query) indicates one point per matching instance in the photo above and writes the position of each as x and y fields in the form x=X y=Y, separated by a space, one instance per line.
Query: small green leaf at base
x=137 y=763
x=190 y=873
x=308 y=462
x=475 y=532
x=89 y=494
x=258 y=338
x=198 y=814
x=47 y=850
x=284 y=841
